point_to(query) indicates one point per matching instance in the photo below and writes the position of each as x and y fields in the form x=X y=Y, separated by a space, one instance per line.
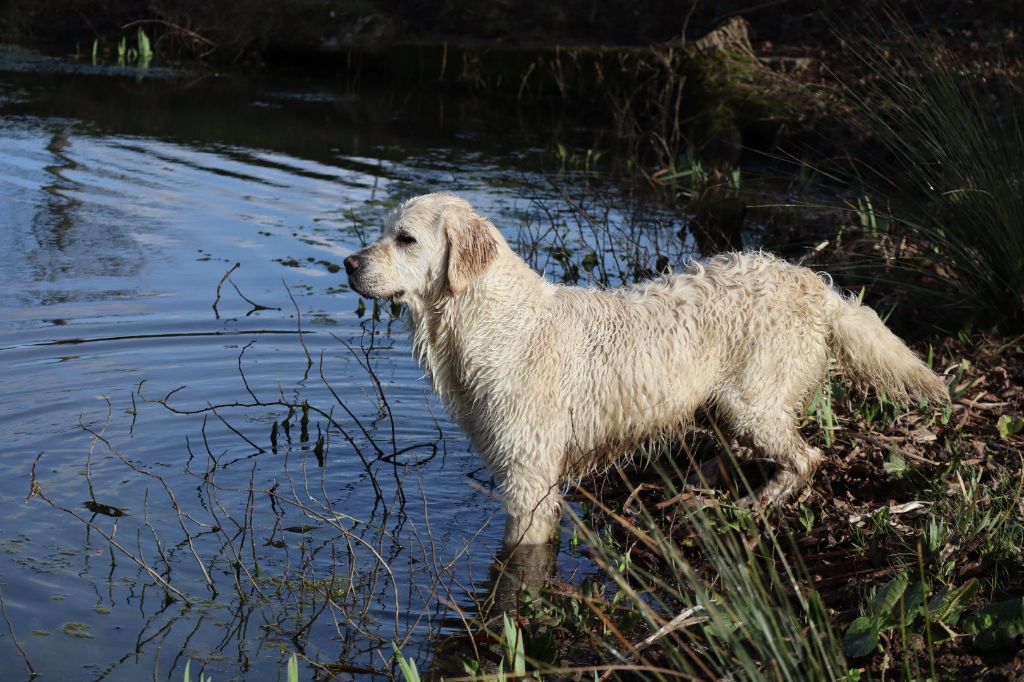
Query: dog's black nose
x=352 y=264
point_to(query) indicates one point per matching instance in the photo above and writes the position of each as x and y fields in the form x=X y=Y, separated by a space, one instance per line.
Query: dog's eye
x=405 y=238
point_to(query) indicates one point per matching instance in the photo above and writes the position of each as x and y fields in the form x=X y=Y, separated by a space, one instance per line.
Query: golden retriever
x=549 y=381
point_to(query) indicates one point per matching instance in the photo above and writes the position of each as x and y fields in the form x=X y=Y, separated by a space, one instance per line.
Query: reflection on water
x=232 y=485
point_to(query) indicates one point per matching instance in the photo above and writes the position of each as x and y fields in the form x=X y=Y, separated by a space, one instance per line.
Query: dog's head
x=432 y=245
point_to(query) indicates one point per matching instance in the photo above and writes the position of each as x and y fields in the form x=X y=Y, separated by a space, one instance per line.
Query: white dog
x=549 y=381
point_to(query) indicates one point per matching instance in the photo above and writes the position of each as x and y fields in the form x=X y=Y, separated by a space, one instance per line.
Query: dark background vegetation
x=909 y=111
x=265 y=29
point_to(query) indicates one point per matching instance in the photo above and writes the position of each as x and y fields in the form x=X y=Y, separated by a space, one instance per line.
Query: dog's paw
x=756 y=503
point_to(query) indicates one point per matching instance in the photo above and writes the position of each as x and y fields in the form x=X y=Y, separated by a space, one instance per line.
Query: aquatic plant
x=145 y=51
x=141 y=55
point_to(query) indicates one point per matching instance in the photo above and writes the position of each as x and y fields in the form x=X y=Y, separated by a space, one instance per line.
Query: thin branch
x=242 y=373
x=160 y=580
x=170 y=493
x=227 y=278
x=298 y=324
x=234 y=430
x=175 y=27
x=14 y=638
x=219 y=285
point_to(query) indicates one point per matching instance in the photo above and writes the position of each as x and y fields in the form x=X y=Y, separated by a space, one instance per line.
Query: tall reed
x=950 y=166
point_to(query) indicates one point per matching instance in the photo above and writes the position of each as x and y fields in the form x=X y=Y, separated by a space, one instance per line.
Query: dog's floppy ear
x=471 y=247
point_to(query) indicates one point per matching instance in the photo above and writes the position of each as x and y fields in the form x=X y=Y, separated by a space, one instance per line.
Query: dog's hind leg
x=768 y=424
x=796 y=460
x=767 y=395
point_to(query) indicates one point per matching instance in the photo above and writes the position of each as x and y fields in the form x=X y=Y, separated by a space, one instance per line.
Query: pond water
x=148 y=449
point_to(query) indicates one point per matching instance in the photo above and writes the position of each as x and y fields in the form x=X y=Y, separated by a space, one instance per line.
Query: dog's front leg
x=532 y=504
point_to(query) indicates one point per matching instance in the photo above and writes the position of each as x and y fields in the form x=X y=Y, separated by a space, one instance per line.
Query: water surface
x=125 y=202
x=178 y=508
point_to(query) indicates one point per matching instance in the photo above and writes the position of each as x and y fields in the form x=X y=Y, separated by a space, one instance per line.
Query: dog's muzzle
x=352 y=265
x=354 y=269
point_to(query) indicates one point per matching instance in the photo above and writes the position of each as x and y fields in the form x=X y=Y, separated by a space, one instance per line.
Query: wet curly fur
x=549 y=381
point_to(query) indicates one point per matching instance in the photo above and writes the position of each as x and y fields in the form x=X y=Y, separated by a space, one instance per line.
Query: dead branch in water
x=227 y=278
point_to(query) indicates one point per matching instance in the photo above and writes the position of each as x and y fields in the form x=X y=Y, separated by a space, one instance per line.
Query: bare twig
x=242 y=373
x=364 y=363
x=220 y=284
x=177 y=29
x=234 y=430
x=686 y=21
x=167 y=488
x=298 y=324
x=14 y=637
x=138 y=561
x=227 y=278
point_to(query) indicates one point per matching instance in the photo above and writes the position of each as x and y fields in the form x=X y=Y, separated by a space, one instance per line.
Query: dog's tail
x=871 y=355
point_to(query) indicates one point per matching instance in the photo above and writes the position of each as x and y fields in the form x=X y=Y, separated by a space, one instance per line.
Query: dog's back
x=642 y=359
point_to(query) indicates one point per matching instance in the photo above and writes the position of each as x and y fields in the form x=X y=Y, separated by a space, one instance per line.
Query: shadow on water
x=309 y=118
